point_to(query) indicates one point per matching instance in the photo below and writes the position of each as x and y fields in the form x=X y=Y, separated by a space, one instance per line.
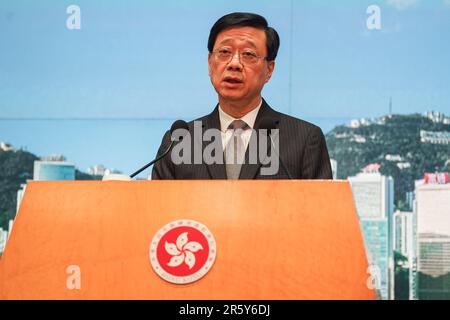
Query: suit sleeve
x=164 y=168
x=316 y=161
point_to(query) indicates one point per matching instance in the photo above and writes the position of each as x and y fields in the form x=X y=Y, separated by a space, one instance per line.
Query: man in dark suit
x=242 y=51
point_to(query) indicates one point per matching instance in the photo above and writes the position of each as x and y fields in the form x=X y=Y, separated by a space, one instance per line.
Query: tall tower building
x=374 y=200
x=403 y=233
x=433 y=237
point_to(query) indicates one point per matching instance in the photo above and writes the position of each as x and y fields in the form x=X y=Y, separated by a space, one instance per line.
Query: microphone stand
x=152 y=162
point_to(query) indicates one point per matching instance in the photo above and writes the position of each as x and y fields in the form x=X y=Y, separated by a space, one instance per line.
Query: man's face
x=236 y=80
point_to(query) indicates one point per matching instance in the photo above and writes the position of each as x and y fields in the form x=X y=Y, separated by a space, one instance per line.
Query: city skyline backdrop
x=106 y=93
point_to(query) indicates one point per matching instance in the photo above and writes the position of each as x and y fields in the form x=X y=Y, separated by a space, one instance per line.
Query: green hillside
x=15 y=168
x=396 y=136
x=393 y=142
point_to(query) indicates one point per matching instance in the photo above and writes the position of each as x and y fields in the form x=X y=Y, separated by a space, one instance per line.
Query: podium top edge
x=262 y=181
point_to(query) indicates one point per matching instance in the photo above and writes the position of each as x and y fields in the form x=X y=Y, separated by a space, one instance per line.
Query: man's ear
x=270 y=67
x=209 y=63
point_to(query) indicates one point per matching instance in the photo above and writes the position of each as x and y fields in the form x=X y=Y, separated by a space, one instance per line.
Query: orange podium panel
x=275 y=239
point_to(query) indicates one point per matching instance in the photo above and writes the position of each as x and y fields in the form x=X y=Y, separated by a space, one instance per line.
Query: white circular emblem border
x=197 y=275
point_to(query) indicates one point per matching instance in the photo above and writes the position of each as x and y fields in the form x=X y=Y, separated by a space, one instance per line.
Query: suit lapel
x=249 y=171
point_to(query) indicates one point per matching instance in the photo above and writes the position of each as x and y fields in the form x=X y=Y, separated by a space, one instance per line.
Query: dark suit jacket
x=302 y=148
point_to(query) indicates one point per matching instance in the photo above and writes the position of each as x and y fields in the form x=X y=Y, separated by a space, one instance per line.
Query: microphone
x=269 y=124
x=179 y=124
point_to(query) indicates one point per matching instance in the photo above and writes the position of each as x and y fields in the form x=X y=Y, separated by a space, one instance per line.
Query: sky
x=105 y=94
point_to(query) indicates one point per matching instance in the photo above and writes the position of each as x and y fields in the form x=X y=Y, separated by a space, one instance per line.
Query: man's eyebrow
x=228 y=40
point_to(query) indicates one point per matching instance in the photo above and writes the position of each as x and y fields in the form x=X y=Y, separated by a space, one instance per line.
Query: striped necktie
x=235 y=149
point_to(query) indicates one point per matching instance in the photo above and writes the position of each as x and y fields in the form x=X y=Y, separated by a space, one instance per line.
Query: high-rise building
x=403 y=233
x=334 y=168
x=409 y=199
x=374 y=200
x=6 y=146
x=20 y=194
x=433 y=237
x=3 y=239
x=53 y=170
x=98 y=170
x=11 y=222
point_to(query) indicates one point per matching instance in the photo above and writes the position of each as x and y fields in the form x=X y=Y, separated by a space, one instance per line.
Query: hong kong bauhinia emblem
x=182 y=251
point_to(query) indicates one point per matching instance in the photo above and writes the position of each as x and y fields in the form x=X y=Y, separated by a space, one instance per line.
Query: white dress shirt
x=226 y=120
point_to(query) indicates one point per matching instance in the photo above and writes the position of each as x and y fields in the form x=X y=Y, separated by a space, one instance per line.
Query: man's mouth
x=232 y=80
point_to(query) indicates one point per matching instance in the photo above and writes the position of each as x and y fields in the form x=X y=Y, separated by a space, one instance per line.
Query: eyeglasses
x=246 y=57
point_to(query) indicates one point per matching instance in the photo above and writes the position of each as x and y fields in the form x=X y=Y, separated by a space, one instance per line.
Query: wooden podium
x=276 y=239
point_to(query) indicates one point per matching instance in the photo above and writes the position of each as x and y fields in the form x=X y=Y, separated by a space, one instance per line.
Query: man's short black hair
x=244 y=19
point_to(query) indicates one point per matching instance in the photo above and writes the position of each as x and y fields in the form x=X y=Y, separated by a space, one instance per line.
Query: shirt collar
x=249 y=118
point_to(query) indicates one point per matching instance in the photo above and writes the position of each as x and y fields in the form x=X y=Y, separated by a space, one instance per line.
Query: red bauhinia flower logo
x=182 y=251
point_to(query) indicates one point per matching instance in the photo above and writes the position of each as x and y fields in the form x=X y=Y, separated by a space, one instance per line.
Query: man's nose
x=235 y=62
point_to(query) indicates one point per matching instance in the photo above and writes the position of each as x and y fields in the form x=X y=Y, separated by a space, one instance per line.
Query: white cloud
x=404 y=4
x=447 y=3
